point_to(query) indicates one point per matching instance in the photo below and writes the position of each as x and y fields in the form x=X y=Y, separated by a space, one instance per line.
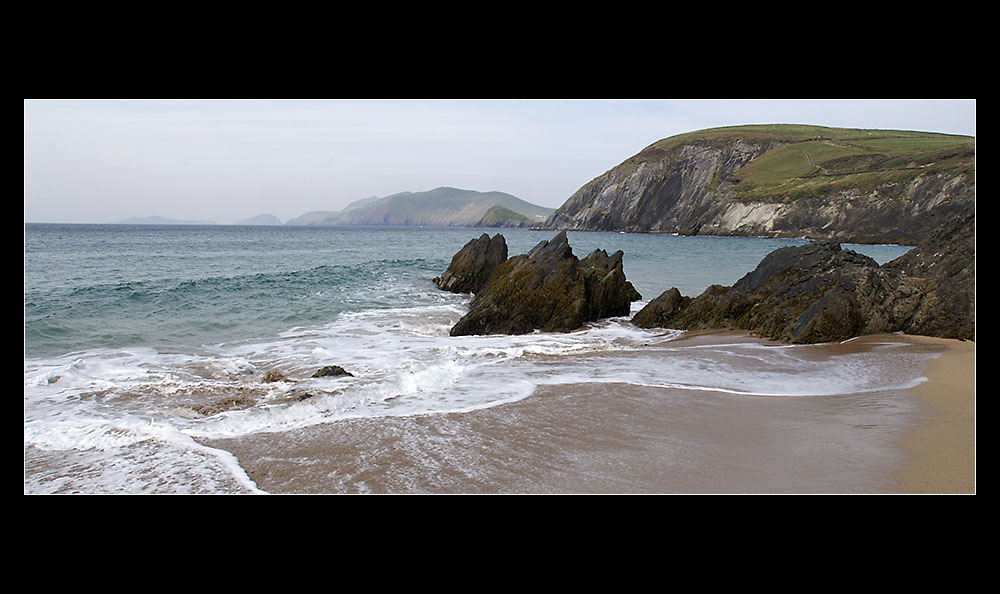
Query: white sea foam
x=103 y=417
x=404 y=362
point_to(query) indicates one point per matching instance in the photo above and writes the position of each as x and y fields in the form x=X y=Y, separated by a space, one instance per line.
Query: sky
x=101 y=161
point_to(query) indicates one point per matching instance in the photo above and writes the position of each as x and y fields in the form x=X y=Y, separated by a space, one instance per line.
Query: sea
x=179 y=360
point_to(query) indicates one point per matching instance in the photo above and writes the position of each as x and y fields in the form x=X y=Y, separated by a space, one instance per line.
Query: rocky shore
x=814 y=293
x=822 y=293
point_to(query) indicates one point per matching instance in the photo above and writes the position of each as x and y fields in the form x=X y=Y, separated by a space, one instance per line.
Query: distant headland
x=777 y=180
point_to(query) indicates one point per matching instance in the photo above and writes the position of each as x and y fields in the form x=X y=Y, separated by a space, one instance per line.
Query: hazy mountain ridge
x=311 y=217
x=444 y=206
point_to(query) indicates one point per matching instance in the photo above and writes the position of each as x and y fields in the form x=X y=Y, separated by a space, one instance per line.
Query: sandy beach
x=941 y=449
x=613 y=438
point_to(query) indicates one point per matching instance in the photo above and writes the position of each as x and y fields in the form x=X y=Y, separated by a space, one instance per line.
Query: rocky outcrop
x=822 y=293
x=945 y=268
x=332 y=371
x=472 y=265
x=551 y=290
x=856 y=186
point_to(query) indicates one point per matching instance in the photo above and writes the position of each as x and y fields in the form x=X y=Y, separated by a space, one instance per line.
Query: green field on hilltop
x=815 y=160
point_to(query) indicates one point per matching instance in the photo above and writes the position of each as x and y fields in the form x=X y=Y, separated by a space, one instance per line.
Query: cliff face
x=864 y=186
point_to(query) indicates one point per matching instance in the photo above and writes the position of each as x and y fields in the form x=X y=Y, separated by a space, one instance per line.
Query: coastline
x=941 y=448
x=628 y=438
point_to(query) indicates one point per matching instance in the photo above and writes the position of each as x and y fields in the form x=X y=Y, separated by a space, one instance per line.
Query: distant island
x=161 y=221
x=264 y=219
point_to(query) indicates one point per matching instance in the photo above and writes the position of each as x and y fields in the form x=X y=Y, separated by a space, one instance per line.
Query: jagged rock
x=658 y=311
x=942 y=281
x=332 y=371
x=821 y=293
x=472 y=265
x=551 y=290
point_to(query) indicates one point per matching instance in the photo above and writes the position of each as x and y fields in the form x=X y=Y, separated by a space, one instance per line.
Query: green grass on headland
x=815 y=160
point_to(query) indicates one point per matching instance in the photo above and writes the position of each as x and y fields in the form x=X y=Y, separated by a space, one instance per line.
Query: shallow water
x=146 y=350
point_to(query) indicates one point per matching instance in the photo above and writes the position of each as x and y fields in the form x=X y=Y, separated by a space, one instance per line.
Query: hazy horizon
x=101 y=161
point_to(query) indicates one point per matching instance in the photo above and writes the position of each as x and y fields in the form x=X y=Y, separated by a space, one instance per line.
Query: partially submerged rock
x=472 y=265
x=332 y=371
x=821 y=293
x=548 y=289
x=222 y=405
x=274 y=376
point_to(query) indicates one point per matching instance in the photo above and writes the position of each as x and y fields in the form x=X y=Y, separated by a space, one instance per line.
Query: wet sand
x=629 y=439
x=941 y=449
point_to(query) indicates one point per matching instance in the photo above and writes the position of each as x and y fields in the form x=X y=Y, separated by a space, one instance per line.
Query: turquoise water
x=179 y=287
x=143 y=342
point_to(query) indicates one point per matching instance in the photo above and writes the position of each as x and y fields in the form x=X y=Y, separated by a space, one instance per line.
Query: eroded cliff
x=863 y=186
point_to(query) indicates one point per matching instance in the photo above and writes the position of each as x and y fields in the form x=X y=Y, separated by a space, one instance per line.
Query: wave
x=155 y=408
x=172 y=313
x=288 y=280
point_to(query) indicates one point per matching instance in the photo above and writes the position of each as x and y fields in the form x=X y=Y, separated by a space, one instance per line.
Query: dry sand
x=941 y=450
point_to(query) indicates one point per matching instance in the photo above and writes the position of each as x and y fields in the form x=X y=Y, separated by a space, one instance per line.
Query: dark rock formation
x=472 y=265
x=821 y=293
x=549 y=289
x=944 y=270
x=332 y=371
x=662 y=309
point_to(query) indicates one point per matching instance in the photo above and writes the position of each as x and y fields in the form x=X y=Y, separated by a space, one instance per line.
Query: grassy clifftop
x=813 y=160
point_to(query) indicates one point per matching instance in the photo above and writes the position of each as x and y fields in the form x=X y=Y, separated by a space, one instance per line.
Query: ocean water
x=143 y=344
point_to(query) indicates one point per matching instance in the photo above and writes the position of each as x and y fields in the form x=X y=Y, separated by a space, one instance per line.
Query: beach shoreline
x=617 y=438
x=940 y=449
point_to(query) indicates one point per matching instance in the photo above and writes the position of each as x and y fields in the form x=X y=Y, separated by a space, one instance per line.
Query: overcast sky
x=94 y=161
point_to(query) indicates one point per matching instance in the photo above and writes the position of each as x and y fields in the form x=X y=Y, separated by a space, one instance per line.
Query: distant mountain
x=367 y=202
x=161 y=221
x=312 y=217
x=264 y=219
x=438 y=207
